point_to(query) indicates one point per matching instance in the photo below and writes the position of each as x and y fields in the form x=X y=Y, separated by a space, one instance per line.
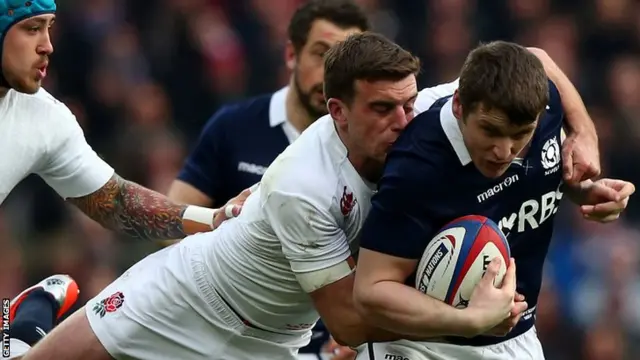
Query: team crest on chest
x=347 y=202
x=550 y=156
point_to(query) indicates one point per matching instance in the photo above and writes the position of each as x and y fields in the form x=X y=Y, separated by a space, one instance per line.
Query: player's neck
x=296 y=114
x=3 y=91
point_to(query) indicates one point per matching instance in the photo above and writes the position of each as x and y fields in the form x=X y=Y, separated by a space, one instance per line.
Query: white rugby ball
x=456 y=259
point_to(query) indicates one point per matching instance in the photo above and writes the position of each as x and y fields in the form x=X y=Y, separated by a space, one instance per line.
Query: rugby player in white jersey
x=39 y=135
x=253 y=288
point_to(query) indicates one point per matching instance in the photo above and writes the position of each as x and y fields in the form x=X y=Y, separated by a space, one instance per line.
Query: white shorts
x=162 y=308
x=18 y=349
x=523 y=347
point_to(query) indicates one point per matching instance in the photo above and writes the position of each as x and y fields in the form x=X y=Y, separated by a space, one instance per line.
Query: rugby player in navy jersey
x=240 y=140
x=502 y=129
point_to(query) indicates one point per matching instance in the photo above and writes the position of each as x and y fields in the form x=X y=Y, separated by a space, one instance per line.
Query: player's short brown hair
x=507 y=77
x=365 y=56
x=342 y=13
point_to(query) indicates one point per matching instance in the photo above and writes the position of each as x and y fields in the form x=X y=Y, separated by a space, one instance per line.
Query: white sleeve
x=71 y=167
x=311 y=239
x=427 y=96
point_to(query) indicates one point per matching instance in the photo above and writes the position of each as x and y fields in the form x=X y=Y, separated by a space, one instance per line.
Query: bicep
x=185 y=193
x=375 y=267
x=328 y=298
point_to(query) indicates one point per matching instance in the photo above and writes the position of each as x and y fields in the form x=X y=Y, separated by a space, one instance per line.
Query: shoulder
x=554 y=96
x=428 y=96
x=425 y=138
x=301 y=180
x=422 y=159
x=54 y=120
x=306 y=169
x=553 y=117
x=41 y=103
x=250 y=112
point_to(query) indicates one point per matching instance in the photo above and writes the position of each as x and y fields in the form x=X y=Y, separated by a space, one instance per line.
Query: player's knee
x=73 y=339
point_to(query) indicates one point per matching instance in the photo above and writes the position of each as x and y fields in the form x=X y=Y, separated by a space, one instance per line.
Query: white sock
x=18 y=348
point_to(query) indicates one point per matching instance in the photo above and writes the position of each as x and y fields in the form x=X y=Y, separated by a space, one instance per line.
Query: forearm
x=576 y=114
x=401 y=309
x=127 y=207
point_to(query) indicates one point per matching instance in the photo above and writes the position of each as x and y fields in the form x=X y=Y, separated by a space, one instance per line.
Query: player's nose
x=45 y=47
x=401 y=118
x=502 y=150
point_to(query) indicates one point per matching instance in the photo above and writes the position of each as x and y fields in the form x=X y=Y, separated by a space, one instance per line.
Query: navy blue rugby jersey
x=429 y=180
x=236 y=146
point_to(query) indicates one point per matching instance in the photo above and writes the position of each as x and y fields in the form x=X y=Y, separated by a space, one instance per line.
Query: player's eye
x=491 y=132
x=381 y=109
x=520 y=135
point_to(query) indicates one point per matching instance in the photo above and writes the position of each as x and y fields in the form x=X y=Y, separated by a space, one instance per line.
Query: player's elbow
x=352 y=336
x=539 y=53
x=542 y=55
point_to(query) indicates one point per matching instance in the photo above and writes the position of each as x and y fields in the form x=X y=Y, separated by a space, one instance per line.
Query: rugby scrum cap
x=14 y=11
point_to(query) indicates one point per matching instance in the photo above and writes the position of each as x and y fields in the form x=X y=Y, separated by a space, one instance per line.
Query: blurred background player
x=240 y=141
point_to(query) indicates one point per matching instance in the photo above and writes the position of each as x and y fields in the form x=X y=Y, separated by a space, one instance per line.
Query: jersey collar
x=452 y=131
x=278 y=114
x=278 y=107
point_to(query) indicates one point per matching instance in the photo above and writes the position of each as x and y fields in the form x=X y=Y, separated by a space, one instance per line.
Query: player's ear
x=337 y=111
x=456 y=107
x=290 y=56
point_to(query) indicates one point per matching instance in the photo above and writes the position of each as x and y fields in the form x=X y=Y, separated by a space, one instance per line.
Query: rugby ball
x=456 y=259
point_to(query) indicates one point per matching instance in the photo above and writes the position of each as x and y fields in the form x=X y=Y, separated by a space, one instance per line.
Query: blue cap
x=13 y=11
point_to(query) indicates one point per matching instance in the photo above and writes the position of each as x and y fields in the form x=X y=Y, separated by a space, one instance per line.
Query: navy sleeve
x=203 y=168
x=402 y=219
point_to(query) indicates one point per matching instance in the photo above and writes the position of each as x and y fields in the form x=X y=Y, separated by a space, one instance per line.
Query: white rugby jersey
x=39 y=134
x=305 y=216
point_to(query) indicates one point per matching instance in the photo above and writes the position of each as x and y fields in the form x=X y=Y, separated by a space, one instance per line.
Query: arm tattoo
x=127 y=207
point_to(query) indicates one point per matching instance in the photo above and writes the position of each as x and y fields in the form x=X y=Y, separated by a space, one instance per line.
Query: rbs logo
x=532 y=213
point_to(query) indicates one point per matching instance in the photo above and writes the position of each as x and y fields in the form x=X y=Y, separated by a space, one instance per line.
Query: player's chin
x=28 y=86
x=493 y=170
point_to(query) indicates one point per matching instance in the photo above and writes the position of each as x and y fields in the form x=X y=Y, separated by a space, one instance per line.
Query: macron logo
x=251 y=168
x=496 y=189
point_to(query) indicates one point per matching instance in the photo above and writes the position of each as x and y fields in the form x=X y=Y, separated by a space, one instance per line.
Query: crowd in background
x=142 y=78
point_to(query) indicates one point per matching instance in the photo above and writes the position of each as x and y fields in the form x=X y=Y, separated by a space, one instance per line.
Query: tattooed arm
x=127 y=207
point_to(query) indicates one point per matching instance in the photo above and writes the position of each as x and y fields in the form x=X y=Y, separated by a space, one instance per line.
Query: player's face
x=308 y=64
x=26 y=51
x=492 y=141
x=378 y=113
